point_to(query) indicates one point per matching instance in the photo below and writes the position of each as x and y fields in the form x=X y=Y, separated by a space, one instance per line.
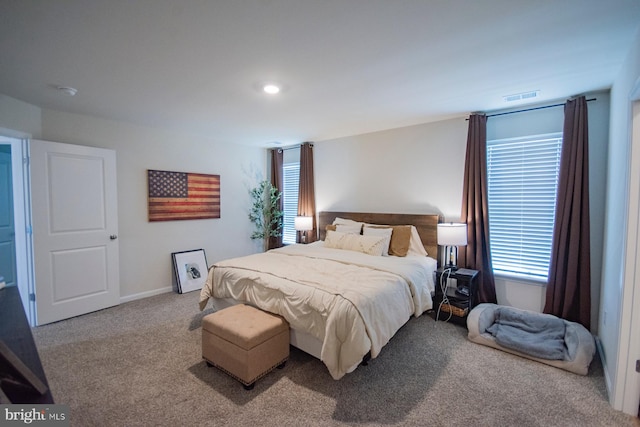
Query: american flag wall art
x=181 y=195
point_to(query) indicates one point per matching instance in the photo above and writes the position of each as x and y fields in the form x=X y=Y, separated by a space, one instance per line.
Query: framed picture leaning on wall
x=190 y=268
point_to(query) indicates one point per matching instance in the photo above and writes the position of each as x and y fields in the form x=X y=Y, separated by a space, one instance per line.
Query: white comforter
x=354 y=303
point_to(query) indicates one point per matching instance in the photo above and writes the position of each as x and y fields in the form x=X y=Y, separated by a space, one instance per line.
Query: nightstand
x=459 y=304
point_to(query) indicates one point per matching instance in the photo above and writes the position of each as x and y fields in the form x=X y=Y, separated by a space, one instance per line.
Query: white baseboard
x=607 y=379
x=145 y=294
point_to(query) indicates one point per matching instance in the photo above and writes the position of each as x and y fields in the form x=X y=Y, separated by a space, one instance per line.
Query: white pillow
x=348 y=228
x=344 y=221
x=415 y=245
x=386 y=232
x=371 y=245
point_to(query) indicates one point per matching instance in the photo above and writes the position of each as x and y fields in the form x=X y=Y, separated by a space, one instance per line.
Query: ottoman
x=245 y=342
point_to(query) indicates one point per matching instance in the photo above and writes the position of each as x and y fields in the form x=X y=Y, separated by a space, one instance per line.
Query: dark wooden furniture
x=15 y=333
x=456 y=304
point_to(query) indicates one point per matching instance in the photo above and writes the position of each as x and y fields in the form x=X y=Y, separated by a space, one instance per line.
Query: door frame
x=626 y=394
x=19 y=142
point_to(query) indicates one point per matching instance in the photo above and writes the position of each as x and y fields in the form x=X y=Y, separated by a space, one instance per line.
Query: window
x=291 y=178
x=523 y=182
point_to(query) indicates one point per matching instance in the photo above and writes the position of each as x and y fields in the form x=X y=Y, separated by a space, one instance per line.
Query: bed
x=343 y=303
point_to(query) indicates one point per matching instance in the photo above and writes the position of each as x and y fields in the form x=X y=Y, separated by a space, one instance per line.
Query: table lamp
x=303 y=224
x=451 y=235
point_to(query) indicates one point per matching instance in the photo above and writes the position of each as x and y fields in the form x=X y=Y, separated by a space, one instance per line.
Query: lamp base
x=451 y=257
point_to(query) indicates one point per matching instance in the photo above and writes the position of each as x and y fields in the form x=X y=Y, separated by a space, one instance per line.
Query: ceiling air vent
x=521 y=96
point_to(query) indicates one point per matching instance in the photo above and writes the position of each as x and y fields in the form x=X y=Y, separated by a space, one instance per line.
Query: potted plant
x=265 y=213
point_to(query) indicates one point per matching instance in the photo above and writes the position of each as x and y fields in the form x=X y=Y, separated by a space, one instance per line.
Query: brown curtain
x=277 y=181
x=475 y=209
x=569 y=288
x=306 y=191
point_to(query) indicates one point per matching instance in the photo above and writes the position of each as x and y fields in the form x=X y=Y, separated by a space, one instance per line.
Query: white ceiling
x=348 y=66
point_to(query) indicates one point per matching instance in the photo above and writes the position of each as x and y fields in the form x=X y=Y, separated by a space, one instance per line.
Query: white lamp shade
x=452 y=234
x=303 y=223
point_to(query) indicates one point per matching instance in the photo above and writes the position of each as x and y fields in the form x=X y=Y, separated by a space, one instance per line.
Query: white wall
x=416 y=169
x=145 y=248
x=419 y=169
x=21 y=117
x=616 y=307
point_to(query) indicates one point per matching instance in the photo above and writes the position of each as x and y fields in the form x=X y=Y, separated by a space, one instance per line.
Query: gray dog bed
x=536 y=336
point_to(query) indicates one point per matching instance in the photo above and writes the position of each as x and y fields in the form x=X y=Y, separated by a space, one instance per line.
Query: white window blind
x=523 y=182
x=291 y=178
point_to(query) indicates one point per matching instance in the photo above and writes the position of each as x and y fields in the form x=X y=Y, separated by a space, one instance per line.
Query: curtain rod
x=532 y=109
x=292 y=147
x=278 y=149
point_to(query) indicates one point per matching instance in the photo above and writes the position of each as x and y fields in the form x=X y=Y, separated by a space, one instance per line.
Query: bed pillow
x=380 y=231
x=338 y=220
x=344 y=221
x=349 y=228
x=343 y=228
x=371 y=245
x=400 y=242
x=415 y=246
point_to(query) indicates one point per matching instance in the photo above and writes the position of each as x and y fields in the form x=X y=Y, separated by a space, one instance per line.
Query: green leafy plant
x=264 y=213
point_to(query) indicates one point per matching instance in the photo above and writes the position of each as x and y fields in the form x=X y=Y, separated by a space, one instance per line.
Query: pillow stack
x=395 y=240
x=398 y=237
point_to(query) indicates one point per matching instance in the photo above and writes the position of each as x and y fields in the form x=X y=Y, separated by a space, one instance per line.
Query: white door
x=7 y=229
x=75 y=226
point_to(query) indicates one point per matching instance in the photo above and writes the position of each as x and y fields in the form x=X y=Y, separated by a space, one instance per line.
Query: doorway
x=8 y=267
x=15 y=236
x=75 y=223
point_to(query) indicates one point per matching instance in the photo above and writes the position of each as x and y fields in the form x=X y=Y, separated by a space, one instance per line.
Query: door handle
x=113 y=236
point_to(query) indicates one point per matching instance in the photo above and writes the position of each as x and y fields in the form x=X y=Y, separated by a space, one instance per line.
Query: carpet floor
x=139 y=364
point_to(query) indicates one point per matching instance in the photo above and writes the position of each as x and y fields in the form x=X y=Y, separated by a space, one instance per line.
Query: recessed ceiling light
x=271 y=88
x=69 y=91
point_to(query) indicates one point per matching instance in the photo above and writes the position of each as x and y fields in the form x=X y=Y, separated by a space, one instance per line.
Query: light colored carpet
x=139 y=364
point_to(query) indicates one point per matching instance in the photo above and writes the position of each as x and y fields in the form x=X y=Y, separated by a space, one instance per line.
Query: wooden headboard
x=427 y=225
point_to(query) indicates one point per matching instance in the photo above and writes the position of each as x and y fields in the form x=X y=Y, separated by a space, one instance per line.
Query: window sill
x=521 y=278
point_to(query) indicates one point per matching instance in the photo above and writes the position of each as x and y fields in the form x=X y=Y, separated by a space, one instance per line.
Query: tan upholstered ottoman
x=245 y=342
